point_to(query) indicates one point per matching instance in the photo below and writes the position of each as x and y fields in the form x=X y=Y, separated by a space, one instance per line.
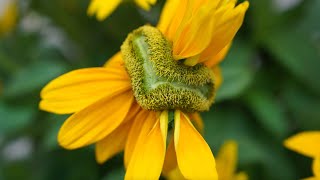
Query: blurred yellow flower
x=103 y=8
x=129 y=104
x=8 y=15
x=227 y=162
x=308 y=144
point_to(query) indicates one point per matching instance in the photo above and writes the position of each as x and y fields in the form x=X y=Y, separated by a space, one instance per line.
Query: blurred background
x=271 y=85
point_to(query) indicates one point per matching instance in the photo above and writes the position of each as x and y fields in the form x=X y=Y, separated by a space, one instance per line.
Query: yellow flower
x=103 y=8
x=227 y=162
x=144 y=96
x=308 y=144
x=8 y=15
x=106 y=113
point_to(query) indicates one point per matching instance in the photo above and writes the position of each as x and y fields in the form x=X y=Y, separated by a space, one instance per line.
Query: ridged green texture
x=161 y=83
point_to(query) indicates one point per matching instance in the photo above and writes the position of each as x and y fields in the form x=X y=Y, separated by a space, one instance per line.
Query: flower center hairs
x=159 y=81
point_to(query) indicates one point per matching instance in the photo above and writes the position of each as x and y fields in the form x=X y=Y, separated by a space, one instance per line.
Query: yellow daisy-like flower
x=103 y=8
x=145 y=94
x=226 y=163
x=308 y=144
x=8 y=15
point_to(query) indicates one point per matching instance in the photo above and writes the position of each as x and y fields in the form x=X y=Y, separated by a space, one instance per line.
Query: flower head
x=103 y=8
x=140 y=100
x=308 y=144
x=8 y=15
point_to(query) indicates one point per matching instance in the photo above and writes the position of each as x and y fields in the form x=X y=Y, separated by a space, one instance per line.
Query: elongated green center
x=158 y=81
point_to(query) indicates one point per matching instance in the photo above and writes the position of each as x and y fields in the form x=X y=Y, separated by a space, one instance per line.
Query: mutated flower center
x=158 y=81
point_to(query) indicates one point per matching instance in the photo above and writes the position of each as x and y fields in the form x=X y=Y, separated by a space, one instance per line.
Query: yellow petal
x=194 y=157
x=148 y=156
x=225 y=29
x=113 y=143
x=193 y=38
x=306 y=143
x=136 y=130
x=177 y=18
x=78 y=89
x=215 y=60
x=145 y=4
x=95 y=122
x=103 y=8
x=226 y=160
x=168 y=13
x=316 y=167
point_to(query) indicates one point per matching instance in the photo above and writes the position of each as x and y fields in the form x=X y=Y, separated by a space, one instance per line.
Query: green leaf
x=32 y=77
x=116 y=174
x=269 y=112
x=50 y=141
x=296 y=52
x=14 y=118
x=232 y=123
x=303 y=106
x=237 y=71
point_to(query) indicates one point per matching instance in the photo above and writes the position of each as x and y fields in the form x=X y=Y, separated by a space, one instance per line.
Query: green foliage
x=271 y=87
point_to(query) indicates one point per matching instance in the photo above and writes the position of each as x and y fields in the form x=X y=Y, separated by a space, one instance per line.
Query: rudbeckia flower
x=8 y=15
x=103 y=8
x=150 y=94
x=308 y=144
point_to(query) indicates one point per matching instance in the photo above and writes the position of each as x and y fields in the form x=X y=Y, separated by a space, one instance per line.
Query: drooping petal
x=95 y=122
x=194 y=157
x=137 y=130
x=113 y=143
x=306 y=143
x=226 y=160
x=78 y=89
x=148 y=156
x=102 y=8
